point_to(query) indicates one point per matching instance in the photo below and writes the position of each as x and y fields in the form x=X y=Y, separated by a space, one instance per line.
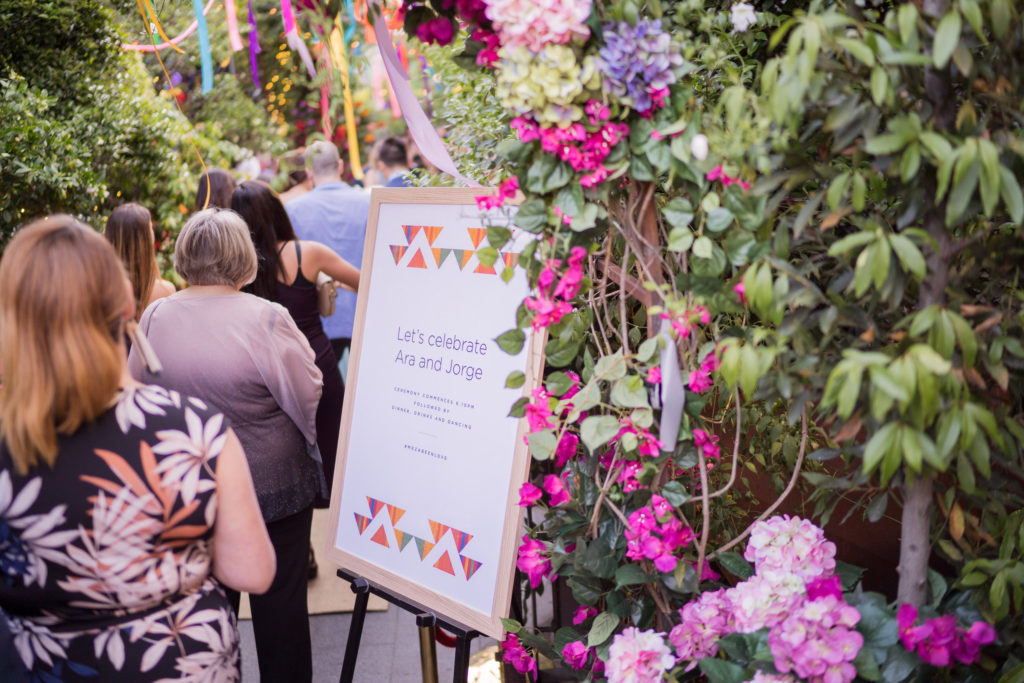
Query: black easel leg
x=462 y=657
x=355 y=631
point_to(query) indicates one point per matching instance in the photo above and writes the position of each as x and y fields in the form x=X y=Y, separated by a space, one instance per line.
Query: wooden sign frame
x=434 y=202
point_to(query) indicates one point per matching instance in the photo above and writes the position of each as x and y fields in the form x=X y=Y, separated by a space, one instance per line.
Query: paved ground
x=389 y=652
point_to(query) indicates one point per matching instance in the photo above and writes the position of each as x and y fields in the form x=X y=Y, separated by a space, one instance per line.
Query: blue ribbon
x=204 y=46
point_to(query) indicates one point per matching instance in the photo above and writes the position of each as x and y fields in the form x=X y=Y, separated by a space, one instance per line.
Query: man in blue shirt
x=333 y=213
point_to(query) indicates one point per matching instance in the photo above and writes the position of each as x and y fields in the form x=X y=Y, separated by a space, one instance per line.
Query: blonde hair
x=214 y=248
x=130 y=231
x=63 y=300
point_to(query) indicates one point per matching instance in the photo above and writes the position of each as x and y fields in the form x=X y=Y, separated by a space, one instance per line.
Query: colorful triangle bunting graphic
x=395 y=513
x=469 y=566
x=398 y=251
x=381 y=537
x=362 y=521
x=509 y=258
x=461 y=539
x=464 y=255
x=432 y=231
x=439 y=255
x=403 y=539
x=417 y=260
x=438 y=529
x=424 y=547
x=477 y=235
x=375 y=506
x=410 y=232
x=445 y=564
x=487 y=270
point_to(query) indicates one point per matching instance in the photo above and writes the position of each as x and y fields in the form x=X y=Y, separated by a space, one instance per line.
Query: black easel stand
x=362 y=588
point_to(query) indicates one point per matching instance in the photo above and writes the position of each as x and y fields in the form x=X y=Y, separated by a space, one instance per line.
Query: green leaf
x=990 y=176
x=678 y=213
x=604 y=626
x=883 y=381
x=888 y=143
x=749 y=370
x=515 y=380
x=542 y=444
x=860 y=188
x=1009 y=190
x=680 y=239
x=947 y=35
x=557 y=383
x=907 y=18
x=597 y=430
x=837 y=189
x=867 y=665
x=625 y=395
x=962 y=191
x=532 y=215
x=972 y=13
x=879 y=444
x=735 y=564
x=850 y=242
x=511 y=342
x=702 y=247
x=511 y=625
x=610 y=367
x=909 y=255
x=647 y=350
x=965 y=339
x=630 y=575
x=719 y=219
x=586 y=219
x=879 y=85
x=858 y=49
x=910 y=162
x=721 y=671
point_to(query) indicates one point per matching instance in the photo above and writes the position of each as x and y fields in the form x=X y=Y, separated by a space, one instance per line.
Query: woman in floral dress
x=119 y=503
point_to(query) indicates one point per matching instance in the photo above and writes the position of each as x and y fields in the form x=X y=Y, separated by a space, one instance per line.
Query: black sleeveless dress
x=300 y=299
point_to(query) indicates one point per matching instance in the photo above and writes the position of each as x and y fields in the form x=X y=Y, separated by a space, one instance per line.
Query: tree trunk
x=915 y=543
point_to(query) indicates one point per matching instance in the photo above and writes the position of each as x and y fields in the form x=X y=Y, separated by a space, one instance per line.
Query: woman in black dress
x=288 y=269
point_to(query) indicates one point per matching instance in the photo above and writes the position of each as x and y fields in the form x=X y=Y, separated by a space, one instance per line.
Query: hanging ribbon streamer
x=205 y=60
x=254 y=47
x=149 y=14
x=673 y=395
x=295 y=41
x=423 y=132
x=337 y=50
x=234 y=37
x=377 y=77
x=173 y=42
x=427 y=74
x=351 y=28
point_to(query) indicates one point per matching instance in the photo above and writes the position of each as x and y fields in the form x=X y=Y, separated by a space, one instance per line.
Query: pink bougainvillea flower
x=556 y=489
x=699 y=381
x=708 y=443
x=711 y=362
x=531 y=562
x=740 y=292
x=513 y=652
x=529 y=494
x=538 y=411
x=906 y=617
x=566 y=449
x=707 y=573
x=575 y=654
x=583 y=613
x=654 y=374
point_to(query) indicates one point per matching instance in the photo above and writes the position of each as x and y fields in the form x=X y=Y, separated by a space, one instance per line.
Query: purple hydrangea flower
x=638 y=61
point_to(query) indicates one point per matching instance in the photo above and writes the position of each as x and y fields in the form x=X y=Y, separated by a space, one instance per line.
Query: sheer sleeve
x=287 y=365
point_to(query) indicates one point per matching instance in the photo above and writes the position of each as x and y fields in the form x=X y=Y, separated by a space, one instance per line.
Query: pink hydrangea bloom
x=529 y=494
x=536 y=23
x=817 y=641
x=762 y=677
x=637 y=656
x=531 y=562
x=556 y=489
x=583 y=613
x=792 y=545
x=513 y=652
x=823 y=587
x=762 y=601
x=702 y=623
x=575 y=654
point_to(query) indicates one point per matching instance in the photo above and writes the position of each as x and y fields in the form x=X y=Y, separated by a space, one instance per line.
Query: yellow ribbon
x=149 y=16
x=337 y=48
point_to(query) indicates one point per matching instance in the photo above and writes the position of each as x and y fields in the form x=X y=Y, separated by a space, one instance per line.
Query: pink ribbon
x=173 y=41
x=422 y=131
x=234 y=37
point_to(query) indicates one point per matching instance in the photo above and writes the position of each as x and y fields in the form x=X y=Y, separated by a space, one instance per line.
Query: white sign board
x=429 y=464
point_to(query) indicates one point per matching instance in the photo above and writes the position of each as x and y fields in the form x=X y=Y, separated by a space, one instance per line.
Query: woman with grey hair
x=245 y=356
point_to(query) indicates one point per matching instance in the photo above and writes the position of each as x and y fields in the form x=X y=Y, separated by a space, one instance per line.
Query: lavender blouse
x=245 y=356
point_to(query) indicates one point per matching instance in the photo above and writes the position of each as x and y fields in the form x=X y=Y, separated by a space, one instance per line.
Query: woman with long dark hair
x=288 y=269
x=130 y=231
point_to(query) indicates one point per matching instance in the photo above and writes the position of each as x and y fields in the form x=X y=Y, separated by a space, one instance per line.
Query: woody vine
x=801 y=222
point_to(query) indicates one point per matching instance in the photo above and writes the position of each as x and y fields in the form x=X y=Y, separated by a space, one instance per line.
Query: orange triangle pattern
x=487 y=270
x=432 y=231
x=469 y=566
x=397 y=251
x=417 y=260
x=375 y=506
x=461 y=539
x=424 y=546
x=381 y=537
x=362 y=521
x=395 y=513
x=438 y=529
x=445 y=564
x=464 y=257
x=509 y=258
x=402 y=538
x=477 y=235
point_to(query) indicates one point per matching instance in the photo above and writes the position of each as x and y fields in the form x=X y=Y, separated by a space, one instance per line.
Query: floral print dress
x=105 y=559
